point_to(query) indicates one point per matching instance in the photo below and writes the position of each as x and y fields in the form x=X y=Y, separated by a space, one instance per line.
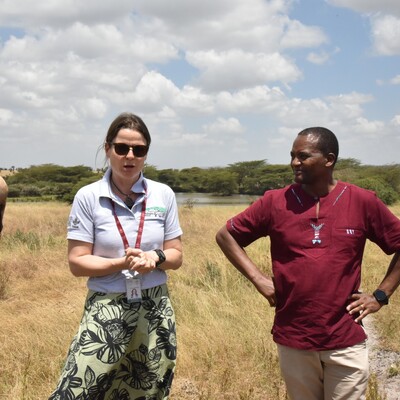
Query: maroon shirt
x=316 y=263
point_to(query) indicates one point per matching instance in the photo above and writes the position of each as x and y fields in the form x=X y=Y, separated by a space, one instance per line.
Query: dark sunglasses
x=122 y=149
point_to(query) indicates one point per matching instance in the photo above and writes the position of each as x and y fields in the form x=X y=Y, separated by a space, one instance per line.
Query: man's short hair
x=327 y=140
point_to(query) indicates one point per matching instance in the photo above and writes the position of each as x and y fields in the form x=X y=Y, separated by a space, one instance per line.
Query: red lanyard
x=141 y=225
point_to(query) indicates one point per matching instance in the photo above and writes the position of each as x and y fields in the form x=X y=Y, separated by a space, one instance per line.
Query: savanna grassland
x=225 y=347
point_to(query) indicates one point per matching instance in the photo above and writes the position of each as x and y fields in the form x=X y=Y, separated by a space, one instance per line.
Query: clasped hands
x=140 y=261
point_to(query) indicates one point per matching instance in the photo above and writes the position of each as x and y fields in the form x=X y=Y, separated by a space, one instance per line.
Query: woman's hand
x=140 y=261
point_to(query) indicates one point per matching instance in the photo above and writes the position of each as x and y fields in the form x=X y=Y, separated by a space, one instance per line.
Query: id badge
x=133 y=290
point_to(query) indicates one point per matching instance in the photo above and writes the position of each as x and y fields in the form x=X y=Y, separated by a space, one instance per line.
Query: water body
x=206 y=199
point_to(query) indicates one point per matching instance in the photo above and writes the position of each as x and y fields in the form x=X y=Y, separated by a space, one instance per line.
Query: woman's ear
x=107 y=149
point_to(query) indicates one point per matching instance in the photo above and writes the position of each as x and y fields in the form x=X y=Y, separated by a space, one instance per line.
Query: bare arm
x=83 y=263
x=2 y=208
x=173 y=254
x=367 y=304
x=241 y=261
x=3 y=200
x=392 y=278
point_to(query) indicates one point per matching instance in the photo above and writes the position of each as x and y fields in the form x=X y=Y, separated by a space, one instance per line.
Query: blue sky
x=217 y=81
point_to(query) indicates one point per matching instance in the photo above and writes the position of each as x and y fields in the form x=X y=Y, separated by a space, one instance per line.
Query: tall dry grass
x=225 y=346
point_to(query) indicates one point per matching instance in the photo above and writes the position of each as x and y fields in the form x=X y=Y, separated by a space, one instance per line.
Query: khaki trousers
x=325 y=375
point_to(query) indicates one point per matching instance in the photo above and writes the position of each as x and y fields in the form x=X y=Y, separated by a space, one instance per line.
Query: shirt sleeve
x=80 y=222
x=252 y=223
x=384 y=226
x=172 y=226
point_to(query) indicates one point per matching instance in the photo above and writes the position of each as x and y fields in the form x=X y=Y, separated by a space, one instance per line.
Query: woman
x=123 y=233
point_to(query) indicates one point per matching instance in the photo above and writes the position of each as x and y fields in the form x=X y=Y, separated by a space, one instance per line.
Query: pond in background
x=206 y=199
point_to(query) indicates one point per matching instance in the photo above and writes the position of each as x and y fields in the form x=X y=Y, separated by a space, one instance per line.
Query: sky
x=217 y=82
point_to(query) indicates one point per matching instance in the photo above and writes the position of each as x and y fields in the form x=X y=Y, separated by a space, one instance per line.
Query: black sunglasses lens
x=121 y=149
x=140 y=151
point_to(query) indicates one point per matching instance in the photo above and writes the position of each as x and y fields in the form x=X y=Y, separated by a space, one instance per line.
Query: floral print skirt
x=122 y=351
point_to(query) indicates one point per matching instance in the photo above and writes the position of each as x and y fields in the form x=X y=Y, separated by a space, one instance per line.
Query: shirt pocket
x=348 y=240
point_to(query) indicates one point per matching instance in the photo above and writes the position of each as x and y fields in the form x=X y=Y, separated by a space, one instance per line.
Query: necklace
x=317 y=238
x=128 y=201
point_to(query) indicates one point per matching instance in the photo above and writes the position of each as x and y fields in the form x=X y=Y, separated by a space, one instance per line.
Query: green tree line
x=51 y=181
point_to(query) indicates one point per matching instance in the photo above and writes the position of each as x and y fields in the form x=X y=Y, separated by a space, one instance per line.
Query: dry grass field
x=225 y=347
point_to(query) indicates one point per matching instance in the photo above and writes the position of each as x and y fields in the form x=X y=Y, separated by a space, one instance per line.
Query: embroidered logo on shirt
x=73 y=223
x=316 y=228
x=156 y=212
x=350 y=231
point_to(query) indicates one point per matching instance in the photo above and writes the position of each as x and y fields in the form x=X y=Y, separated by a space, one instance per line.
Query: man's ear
x=330 y=160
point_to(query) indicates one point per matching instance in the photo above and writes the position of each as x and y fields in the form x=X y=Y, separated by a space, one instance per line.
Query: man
x=3 y=199
x=318 y=228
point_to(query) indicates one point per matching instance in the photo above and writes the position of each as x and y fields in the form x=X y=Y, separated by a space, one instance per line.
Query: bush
x=14 y=191
x=383 y=190
x=30 y=191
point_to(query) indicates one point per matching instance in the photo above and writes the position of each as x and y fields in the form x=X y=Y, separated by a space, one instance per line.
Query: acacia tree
x=247 y=170
x=222 y=182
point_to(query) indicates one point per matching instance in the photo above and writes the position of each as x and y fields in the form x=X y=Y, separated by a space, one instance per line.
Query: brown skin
x=314 y=171
x=241 y=261
x=365 y=303
x=3 y=200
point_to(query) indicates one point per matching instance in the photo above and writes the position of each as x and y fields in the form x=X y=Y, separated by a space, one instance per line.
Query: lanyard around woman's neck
x=141 y=223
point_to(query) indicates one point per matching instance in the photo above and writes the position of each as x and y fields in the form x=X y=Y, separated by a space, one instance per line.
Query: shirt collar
x=140 y=185
x=105 y=186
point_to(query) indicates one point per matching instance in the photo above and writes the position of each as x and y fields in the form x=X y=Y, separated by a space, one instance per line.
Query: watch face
x=380 y=296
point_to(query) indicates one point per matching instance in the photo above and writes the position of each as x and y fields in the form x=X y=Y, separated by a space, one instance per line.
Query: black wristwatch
x=161 y=257
x=381 y=297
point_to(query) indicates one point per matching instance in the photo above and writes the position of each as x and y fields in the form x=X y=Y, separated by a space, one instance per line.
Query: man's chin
x=298 y=179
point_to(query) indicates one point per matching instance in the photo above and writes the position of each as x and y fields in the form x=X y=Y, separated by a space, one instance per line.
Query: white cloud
x=396 y=121
x=369 y=6
x=321 y=57
x=335 y=112
x=298 y=35
x=256 y=100
x=224 y=125
x=31 y=14
x=221 y=71
x=395 y=80
x=386 y=35
x=193 y=99
x=101 y=41
x=318 y=58
x=6 y=117
x=254 y=25
x=94 y=108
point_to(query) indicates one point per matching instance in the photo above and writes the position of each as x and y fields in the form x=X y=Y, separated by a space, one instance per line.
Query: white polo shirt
x=92 y=220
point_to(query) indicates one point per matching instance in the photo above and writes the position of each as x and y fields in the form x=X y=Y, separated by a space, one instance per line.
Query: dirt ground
x=384 y=364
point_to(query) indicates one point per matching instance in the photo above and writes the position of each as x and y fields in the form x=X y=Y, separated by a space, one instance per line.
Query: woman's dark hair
x=327 y=141
x=128 y=121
